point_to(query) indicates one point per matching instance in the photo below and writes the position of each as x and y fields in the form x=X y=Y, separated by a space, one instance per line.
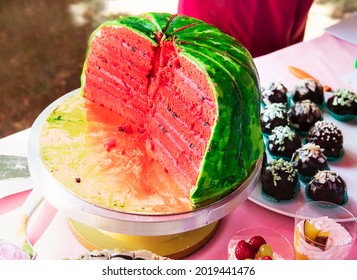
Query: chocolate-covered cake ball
x=309 y=159
x=273 y=115
x=283 y=141
x=327 y=186
x=279 y=179
x=309 y=89
x=328 y=136
x=303 y=115
x=275 y=92
x=343 y=102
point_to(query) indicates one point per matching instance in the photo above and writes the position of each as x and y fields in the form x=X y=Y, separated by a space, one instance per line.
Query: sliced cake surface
x=192 y=90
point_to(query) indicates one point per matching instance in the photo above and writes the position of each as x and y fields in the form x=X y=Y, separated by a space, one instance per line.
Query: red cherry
x=244 y=251
x=266 y=258
x=256 y=242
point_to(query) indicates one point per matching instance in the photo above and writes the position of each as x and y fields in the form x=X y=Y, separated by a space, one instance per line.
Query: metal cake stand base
x=174 y=246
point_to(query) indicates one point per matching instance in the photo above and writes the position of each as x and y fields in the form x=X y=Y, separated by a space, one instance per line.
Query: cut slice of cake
x=191 y=89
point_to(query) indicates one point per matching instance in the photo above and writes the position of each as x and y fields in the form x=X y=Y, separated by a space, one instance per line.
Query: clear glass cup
x=281 y=247
x=323 y=231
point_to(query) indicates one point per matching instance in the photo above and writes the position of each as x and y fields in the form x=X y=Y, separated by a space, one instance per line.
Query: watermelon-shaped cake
x=192 y=90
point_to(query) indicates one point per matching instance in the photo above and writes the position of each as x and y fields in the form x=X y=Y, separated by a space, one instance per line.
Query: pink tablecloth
x=326 y=57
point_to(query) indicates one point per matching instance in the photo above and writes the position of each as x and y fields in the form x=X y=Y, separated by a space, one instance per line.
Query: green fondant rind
x=160 y=20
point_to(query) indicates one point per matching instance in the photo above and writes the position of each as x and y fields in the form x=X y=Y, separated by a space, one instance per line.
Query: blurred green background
x=43 y=45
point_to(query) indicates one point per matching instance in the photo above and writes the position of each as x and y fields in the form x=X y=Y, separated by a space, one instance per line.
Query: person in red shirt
x=262 y=26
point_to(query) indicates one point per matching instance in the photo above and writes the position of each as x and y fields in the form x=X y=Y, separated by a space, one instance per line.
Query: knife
x=14 y=175
x=297 y=72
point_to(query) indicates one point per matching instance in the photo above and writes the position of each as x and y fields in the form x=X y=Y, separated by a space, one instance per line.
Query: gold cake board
x=175 y=246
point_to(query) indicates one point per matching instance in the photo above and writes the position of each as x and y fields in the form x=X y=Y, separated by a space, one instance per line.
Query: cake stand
x=173 y=235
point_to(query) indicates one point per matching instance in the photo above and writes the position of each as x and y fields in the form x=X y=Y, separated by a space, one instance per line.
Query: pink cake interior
x=117 y=73
x=157 y=89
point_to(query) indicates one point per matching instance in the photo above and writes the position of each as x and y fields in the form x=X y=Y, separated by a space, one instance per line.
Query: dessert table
x=326 y=58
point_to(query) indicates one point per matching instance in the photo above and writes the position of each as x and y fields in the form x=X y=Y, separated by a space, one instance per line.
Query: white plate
x=346 y=168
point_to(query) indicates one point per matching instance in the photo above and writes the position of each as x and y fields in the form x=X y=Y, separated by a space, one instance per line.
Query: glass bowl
x=281 y=247
x=324 y=231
